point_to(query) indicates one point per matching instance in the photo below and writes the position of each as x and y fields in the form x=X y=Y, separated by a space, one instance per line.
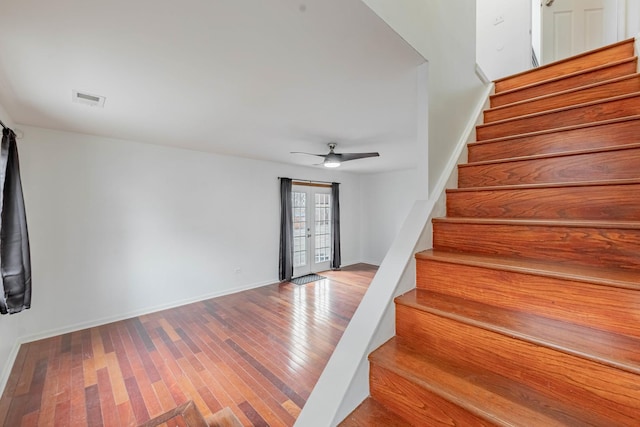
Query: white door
x=570 y=27
x=311 y=229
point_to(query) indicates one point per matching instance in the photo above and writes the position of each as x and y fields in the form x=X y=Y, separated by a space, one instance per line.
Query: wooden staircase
x=527 y=310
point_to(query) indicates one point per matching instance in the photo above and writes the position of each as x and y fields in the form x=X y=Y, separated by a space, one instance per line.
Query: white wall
x=632 y=21
x=444 y=33
x=119 y=228
x=387 y=199
x=503 y=37
x=5 y=117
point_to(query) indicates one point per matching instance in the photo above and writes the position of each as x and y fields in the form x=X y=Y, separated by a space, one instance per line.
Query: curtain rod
x=3 y=125
x=309 y=180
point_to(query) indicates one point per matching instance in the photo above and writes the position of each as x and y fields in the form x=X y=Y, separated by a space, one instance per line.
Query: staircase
x=527 y=310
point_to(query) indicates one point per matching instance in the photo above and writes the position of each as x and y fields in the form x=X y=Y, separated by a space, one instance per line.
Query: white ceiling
x=251 y=78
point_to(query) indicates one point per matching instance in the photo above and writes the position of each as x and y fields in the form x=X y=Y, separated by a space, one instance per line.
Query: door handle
x=308 y=235
x=549 y=2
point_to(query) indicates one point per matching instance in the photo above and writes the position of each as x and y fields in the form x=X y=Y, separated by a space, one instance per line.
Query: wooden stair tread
x=600 y=163
x=595 y=164
x=604 y=200
x=558 y=129
x=371 y=413
x=604 y=347
x=565 y=92
x=572 y=295
x=489 y=396
x=581 y=94
x=575 y=114
x=564 y=77
x=599 y=276
x=553 y=155
x=565 y=66
x=547 y=185
x=628 y=225
x=615 y=69
x=557 y=110
x=568 y=59
x=611 y=243
x=620 y=131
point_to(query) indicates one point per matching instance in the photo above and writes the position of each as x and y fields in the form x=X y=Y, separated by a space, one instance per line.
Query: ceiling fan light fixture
x=333 y=159
x=331 y=163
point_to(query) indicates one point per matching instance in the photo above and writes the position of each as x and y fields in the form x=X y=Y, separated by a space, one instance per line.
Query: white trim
x=344 y=381
x=621 y=19
x=637 y=50
x=422 y=130
x=481 y=75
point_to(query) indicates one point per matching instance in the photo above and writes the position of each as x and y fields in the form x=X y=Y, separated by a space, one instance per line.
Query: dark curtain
x=286 y=231
x=15 y=263
x=335 y=226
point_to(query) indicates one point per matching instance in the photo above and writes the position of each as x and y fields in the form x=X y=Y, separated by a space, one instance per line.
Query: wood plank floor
x=259 y=352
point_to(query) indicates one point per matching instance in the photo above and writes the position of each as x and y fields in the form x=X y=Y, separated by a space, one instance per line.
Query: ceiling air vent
x=88 y=99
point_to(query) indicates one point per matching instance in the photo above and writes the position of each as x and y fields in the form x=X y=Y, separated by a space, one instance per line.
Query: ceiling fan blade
x=310 y=154
x=354 y=156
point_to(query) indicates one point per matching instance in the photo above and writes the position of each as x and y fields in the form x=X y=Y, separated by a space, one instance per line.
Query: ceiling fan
x=333 y=159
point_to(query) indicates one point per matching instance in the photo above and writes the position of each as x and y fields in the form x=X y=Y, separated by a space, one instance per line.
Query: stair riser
x=601 y=307
x=604 y=247
x=599 y=75
x=560 y=376
x=628 y=106
x=603 y=91
x=604 y=202
x=590 y=137
x=599 y=166
x=609 y=54
x=418 y=405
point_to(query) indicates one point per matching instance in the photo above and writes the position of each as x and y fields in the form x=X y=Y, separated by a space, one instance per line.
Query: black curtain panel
x=335 y=226
x=286 y=231
x=15 y=259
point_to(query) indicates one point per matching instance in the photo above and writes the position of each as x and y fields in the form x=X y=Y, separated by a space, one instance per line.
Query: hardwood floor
x=259 y=352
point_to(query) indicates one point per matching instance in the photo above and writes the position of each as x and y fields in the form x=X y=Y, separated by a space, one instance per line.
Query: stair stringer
x=344 y=383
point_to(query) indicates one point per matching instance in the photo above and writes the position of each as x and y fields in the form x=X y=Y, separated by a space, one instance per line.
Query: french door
x=311 y=229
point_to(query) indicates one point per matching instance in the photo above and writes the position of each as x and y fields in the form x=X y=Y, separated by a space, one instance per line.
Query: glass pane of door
x=311 y=229
x=300 y=250
x=322 y=247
